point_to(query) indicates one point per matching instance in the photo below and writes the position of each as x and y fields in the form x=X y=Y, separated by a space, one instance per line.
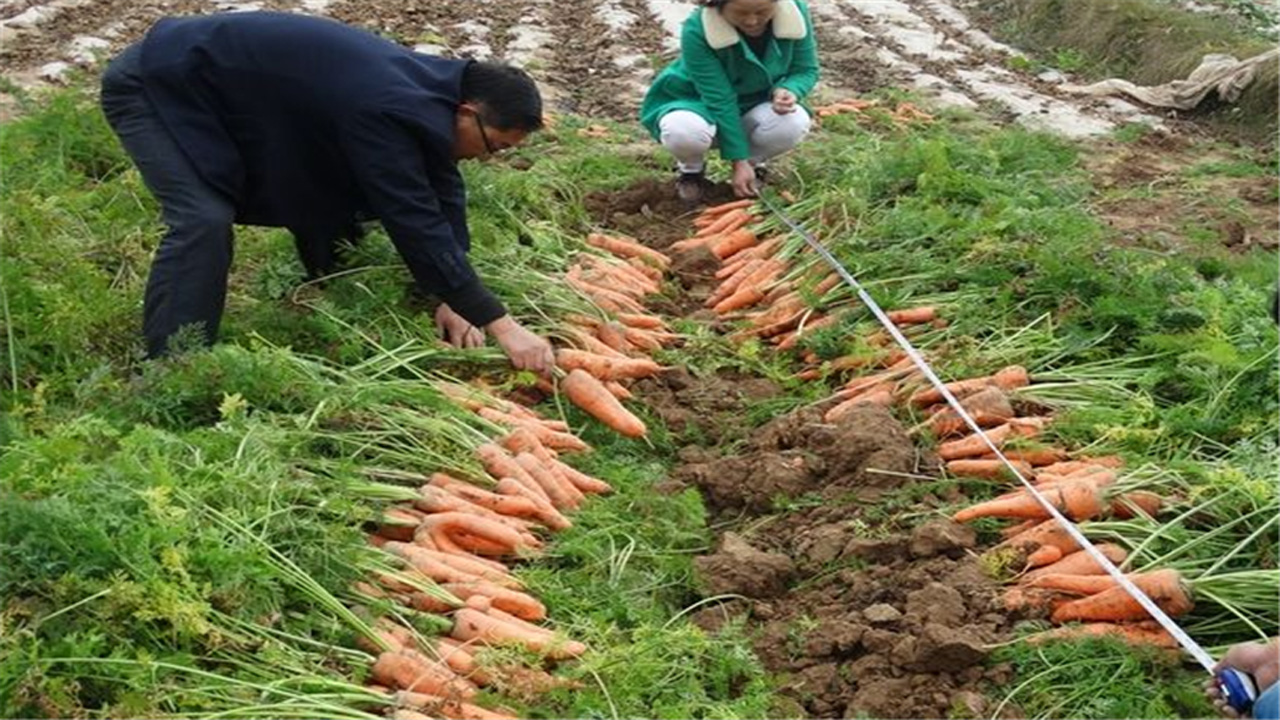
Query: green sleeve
x=708 y=76
x=803 y=73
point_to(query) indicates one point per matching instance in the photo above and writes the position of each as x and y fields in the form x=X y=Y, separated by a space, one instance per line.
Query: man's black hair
x=509 y=97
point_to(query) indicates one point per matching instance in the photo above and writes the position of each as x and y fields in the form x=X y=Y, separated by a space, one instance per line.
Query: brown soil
x=858 y=619
x=1149 y=192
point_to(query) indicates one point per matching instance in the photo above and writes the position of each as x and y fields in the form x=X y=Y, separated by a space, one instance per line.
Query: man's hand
x=744 y=179
x=526 y=350
x=1261 y=660
x=784 y=101
x=455 y=330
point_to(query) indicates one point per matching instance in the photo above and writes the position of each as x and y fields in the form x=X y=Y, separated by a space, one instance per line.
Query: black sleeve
x=421 y=210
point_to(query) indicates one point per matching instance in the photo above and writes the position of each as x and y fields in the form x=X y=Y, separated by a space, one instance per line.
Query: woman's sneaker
x=691 y=186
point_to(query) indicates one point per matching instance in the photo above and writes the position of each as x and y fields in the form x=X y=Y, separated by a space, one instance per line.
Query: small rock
x=1052 y=76
x=881 y=613
x=942 y=537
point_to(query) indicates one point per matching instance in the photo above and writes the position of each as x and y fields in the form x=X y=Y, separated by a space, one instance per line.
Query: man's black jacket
x=303 y=122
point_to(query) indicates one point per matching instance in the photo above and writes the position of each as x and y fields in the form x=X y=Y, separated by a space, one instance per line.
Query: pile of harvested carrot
x=608 y=354
x=454 y=543
x=905 y=113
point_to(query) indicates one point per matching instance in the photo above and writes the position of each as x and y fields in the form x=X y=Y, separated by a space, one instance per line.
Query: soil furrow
x=584 y=68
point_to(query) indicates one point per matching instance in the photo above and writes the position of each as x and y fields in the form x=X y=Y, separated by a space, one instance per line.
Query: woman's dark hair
x=509 y=98
x=717 y=3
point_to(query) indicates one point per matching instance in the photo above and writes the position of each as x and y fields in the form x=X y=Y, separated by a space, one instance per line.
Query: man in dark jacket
x=305 y=123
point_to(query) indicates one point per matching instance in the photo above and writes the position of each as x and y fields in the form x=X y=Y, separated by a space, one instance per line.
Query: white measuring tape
x=1191 y=646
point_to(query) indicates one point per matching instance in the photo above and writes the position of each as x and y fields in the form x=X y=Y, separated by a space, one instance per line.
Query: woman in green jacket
x=744 y=68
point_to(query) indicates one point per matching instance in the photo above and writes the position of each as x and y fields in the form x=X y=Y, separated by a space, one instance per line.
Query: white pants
x=688 y=136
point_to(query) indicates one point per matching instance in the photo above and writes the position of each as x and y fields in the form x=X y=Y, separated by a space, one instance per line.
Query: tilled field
x=595 y=57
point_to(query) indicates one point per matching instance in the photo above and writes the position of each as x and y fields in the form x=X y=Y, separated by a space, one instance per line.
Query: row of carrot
x=1058 y=575
x=455 y=541
x=457 y=538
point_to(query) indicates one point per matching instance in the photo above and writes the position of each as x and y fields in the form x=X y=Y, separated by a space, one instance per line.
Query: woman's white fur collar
x=788 y=24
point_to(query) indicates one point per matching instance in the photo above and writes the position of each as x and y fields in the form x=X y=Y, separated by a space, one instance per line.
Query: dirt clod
x=942 y=537
x=740 y=569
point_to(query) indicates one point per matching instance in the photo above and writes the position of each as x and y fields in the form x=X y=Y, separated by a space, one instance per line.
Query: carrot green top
x=719 y=77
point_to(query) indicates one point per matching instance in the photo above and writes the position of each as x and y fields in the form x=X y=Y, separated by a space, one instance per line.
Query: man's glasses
x=484 y=136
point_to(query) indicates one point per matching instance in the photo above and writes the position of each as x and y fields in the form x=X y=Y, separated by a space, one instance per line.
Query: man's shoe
x=691 y=186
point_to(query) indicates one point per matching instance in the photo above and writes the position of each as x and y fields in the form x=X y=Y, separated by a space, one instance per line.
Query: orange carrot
x=881 y=395
x=1018 y=599
x=1075 y=584
x=547 y=512
x=640 y=320
x=1014 y=530
x=501 y=504
x=585 y=391
x=585 y=483
x=1078 y=501
x=731 y=243
x=591 y=343
x=619 y=390
x=1165 y=587
x=1044 y=555
x=513 y=601
x=614 y=335
x=627 y=248
x=471 y=624
x=1140 y=634
x=473 y=531
x=987 y=469
x=974 y=445
x=563 y=495
x=410 y=670
x=745 y=296
x=912 y=316
x=990 y=402
x=501 y=465
x=1047 y=532
x=1009 y=378
x=1036 y=457
x=549 y=437
x=1132 y=504
x=1078 y=563
x=726 y=223
x=649 y=339
x=605 y=368
x=731 y=276
x=722 y=208
x=639 y=265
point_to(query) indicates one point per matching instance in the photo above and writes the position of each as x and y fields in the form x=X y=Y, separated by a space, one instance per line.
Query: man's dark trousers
x=188 y=280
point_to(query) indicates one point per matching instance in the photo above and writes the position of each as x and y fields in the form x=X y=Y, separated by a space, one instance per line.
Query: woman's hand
x=744 y=179
x=784 y=101
x=457 y=331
